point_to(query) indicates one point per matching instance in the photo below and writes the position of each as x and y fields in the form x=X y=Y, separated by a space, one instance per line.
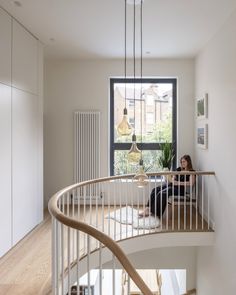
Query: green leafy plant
x=167 y=155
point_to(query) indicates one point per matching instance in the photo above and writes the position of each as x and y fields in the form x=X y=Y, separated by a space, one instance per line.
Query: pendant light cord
x=134 y=62
x=141 y=71
x=125 y=49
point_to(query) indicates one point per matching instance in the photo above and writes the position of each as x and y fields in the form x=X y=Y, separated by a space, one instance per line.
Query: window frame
x=142 y=146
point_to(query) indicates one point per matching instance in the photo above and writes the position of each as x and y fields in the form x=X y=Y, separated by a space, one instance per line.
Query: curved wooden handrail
x=104 y=179
x=104 y=239
x=100 y=236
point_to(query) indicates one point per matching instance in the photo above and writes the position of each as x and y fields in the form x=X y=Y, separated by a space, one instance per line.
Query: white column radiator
x=87 y=146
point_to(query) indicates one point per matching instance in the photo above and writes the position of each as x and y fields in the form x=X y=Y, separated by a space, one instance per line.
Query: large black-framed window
x=155 y=119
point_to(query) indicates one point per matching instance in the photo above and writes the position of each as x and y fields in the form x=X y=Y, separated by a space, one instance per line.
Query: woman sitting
x=177 y=187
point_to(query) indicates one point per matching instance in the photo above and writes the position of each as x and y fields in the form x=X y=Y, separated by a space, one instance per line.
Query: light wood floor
x=26 y=269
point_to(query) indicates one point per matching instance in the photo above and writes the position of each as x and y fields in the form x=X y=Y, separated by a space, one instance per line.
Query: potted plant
x=166 y=157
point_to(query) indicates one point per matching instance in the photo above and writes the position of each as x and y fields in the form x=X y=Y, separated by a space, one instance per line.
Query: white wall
x=167 y=258
x=84 y=85
x=216 y=74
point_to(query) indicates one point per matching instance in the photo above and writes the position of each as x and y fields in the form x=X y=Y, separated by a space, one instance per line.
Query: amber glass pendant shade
x=134 y=154
x=124 y=128
x=141 y=177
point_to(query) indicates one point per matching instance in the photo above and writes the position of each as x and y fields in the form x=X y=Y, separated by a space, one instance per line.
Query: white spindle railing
x=77 y=212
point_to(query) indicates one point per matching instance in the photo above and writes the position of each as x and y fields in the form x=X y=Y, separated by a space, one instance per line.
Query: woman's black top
x=182 y=178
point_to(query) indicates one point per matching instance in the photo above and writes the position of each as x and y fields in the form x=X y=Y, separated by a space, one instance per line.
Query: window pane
x=151 y=107
x=150 y=112
x=122 y=166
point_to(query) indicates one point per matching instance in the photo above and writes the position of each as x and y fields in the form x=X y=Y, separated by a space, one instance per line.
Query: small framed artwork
x=202 y=107
x=202 y=136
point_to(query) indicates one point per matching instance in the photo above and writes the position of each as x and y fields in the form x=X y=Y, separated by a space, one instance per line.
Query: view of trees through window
x=151 y=107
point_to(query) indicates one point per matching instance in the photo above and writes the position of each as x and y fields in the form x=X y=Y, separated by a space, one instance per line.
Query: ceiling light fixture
x=124 y=128
x=134 y=154
x=141 y=177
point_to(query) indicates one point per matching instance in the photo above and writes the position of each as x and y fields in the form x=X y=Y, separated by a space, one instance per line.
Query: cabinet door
x=40 y=133
x=5 y=169
x=5 y=48
x=24 y=163
x=24 y=60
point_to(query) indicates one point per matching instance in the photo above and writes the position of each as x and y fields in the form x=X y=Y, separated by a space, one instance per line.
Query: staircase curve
x=93 y=216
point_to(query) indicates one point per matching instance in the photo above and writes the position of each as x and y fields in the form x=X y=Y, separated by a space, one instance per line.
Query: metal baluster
x=142 y=190
x=128 y=284
x=121 y=188
x=138 y=207
x=185 y=192
x=109 y=207
x=161 y=200
x=69 y=259
x=114 y=206
x=88 y=262
x=62 y=258
x=73 y=231
x=68 y=204
x=60 y=204
x=90 y=204
x=149 y=193
x=191 y=200
x=78 y=258
x=167 y=199
x=58 y=251
x=100 y=268
x=132 y=205
x=179 y=205
x=78 y=202
x=84 y=217
x=97 y=194
x=113 y=276
x=208 y=203
x=173 y=204
x=63 y=203
x=155 y=200
x=202 y=202
x=126 y=205
x=62 y=246
x=196 y=192
x=54 y=257
x=103 y=197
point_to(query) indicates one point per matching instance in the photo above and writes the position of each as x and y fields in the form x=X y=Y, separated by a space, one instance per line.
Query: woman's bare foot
x=144 y=213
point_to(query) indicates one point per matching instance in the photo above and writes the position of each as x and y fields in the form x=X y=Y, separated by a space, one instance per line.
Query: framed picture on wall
x=202 y=107
x=202 y=136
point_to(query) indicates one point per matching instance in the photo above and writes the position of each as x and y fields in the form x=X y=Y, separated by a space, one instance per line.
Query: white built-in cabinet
x=21 y=133
x=5 y=169
x=24 y=164
x=24 y=60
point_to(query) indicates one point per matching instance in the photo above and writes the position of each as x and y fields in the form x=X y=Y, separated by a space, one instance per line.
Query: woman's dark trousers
x=159 y=197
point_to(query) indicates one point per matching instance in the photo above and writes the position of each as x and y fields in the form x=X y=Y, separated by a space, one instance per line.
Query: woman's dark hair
x=189 y=161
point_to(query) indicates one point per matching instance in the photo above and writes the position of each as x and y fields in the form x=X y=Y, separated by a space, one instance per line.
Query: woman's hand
x=169 y=178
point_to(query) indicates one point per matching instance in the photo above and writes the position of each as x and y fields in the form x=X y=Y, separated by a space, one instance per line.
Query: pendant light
x=124 y=128
x=141 y=177
x=134 y=153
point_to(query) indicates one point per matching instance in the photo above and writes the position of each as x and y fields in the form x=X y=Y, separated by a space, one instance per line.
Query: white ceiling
x=95 y=28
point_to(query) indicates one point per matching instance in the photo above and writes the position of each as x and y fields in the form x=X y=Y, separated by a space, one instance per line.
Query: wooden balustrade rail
x=102 y=237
